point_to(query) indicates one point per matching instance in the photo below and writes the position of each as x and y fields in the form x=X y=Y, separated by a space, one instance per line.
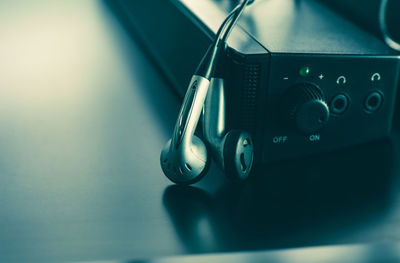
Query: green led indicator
x=304 y=71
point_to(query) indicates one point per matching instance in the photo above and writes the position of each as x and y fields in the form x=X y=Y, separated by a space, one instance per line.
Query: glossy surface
x=84 y=115
x=294 y=26
x=83 y=118
x=387 y=253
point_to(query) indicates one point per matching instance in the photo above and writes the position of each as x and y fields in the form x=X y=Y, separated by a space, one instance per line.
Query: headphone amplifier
x=301 y=78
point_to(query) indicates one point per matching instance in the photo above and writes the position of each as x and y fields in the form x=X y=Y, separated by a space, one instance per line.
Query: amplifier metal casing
x=266 y=56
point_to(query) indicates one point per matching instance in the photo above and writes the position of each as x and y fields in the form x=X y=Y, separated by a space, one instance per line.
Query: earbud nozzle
x=238 y=155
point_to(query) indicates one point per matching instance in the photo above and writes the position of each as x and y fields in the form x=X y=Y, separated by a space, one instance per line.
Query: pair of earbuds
x=185 y=158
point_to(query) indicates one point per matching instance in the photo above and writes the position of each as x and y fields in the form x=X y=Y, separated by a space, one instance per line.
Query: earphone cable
x=206 y=66
x=383 y=26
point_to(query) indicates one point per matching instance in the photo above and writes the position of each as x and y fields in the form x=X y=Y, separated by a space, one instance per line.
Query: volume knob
x=305 y=108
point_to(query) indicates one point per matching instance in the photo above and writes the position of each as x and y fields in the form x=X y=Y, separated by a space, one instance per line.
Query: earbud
x=184 y=159
x=234 y=150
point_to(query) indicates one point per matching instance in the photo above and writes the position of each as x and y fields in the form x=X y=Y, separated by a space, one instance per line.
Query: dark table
x=84 y=115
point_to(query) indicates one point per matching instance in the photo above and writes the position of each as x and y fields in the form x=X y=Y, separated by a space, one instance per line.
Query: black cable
x=207 y=64
x=235 y=19
x=224 y=24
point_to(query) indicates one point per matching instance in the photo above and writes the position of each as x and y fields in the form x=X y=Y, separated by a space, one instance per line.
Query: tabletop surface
x=84 y=114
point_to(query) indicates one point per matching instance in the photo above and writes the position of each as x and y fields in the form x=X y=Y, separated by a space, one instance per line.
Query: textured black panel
x=248 y=92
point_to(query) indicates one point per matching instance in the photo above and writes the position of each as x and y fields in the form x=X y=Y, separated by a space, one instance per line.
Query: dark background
x=366 y=14
x=83 y=117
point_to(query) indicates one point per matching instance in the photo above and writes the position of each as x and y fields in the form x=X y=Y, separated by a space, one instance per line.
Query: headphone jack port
x=373 y=102
x=339 y=104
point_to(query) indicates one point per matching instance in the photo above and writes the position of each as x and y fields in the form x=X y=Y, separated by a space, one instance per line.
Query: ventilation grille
x=248 y=98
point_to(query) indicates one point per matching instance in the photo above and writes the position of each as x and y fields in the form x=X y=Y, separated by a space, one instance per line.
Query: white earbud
x=184 y=159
